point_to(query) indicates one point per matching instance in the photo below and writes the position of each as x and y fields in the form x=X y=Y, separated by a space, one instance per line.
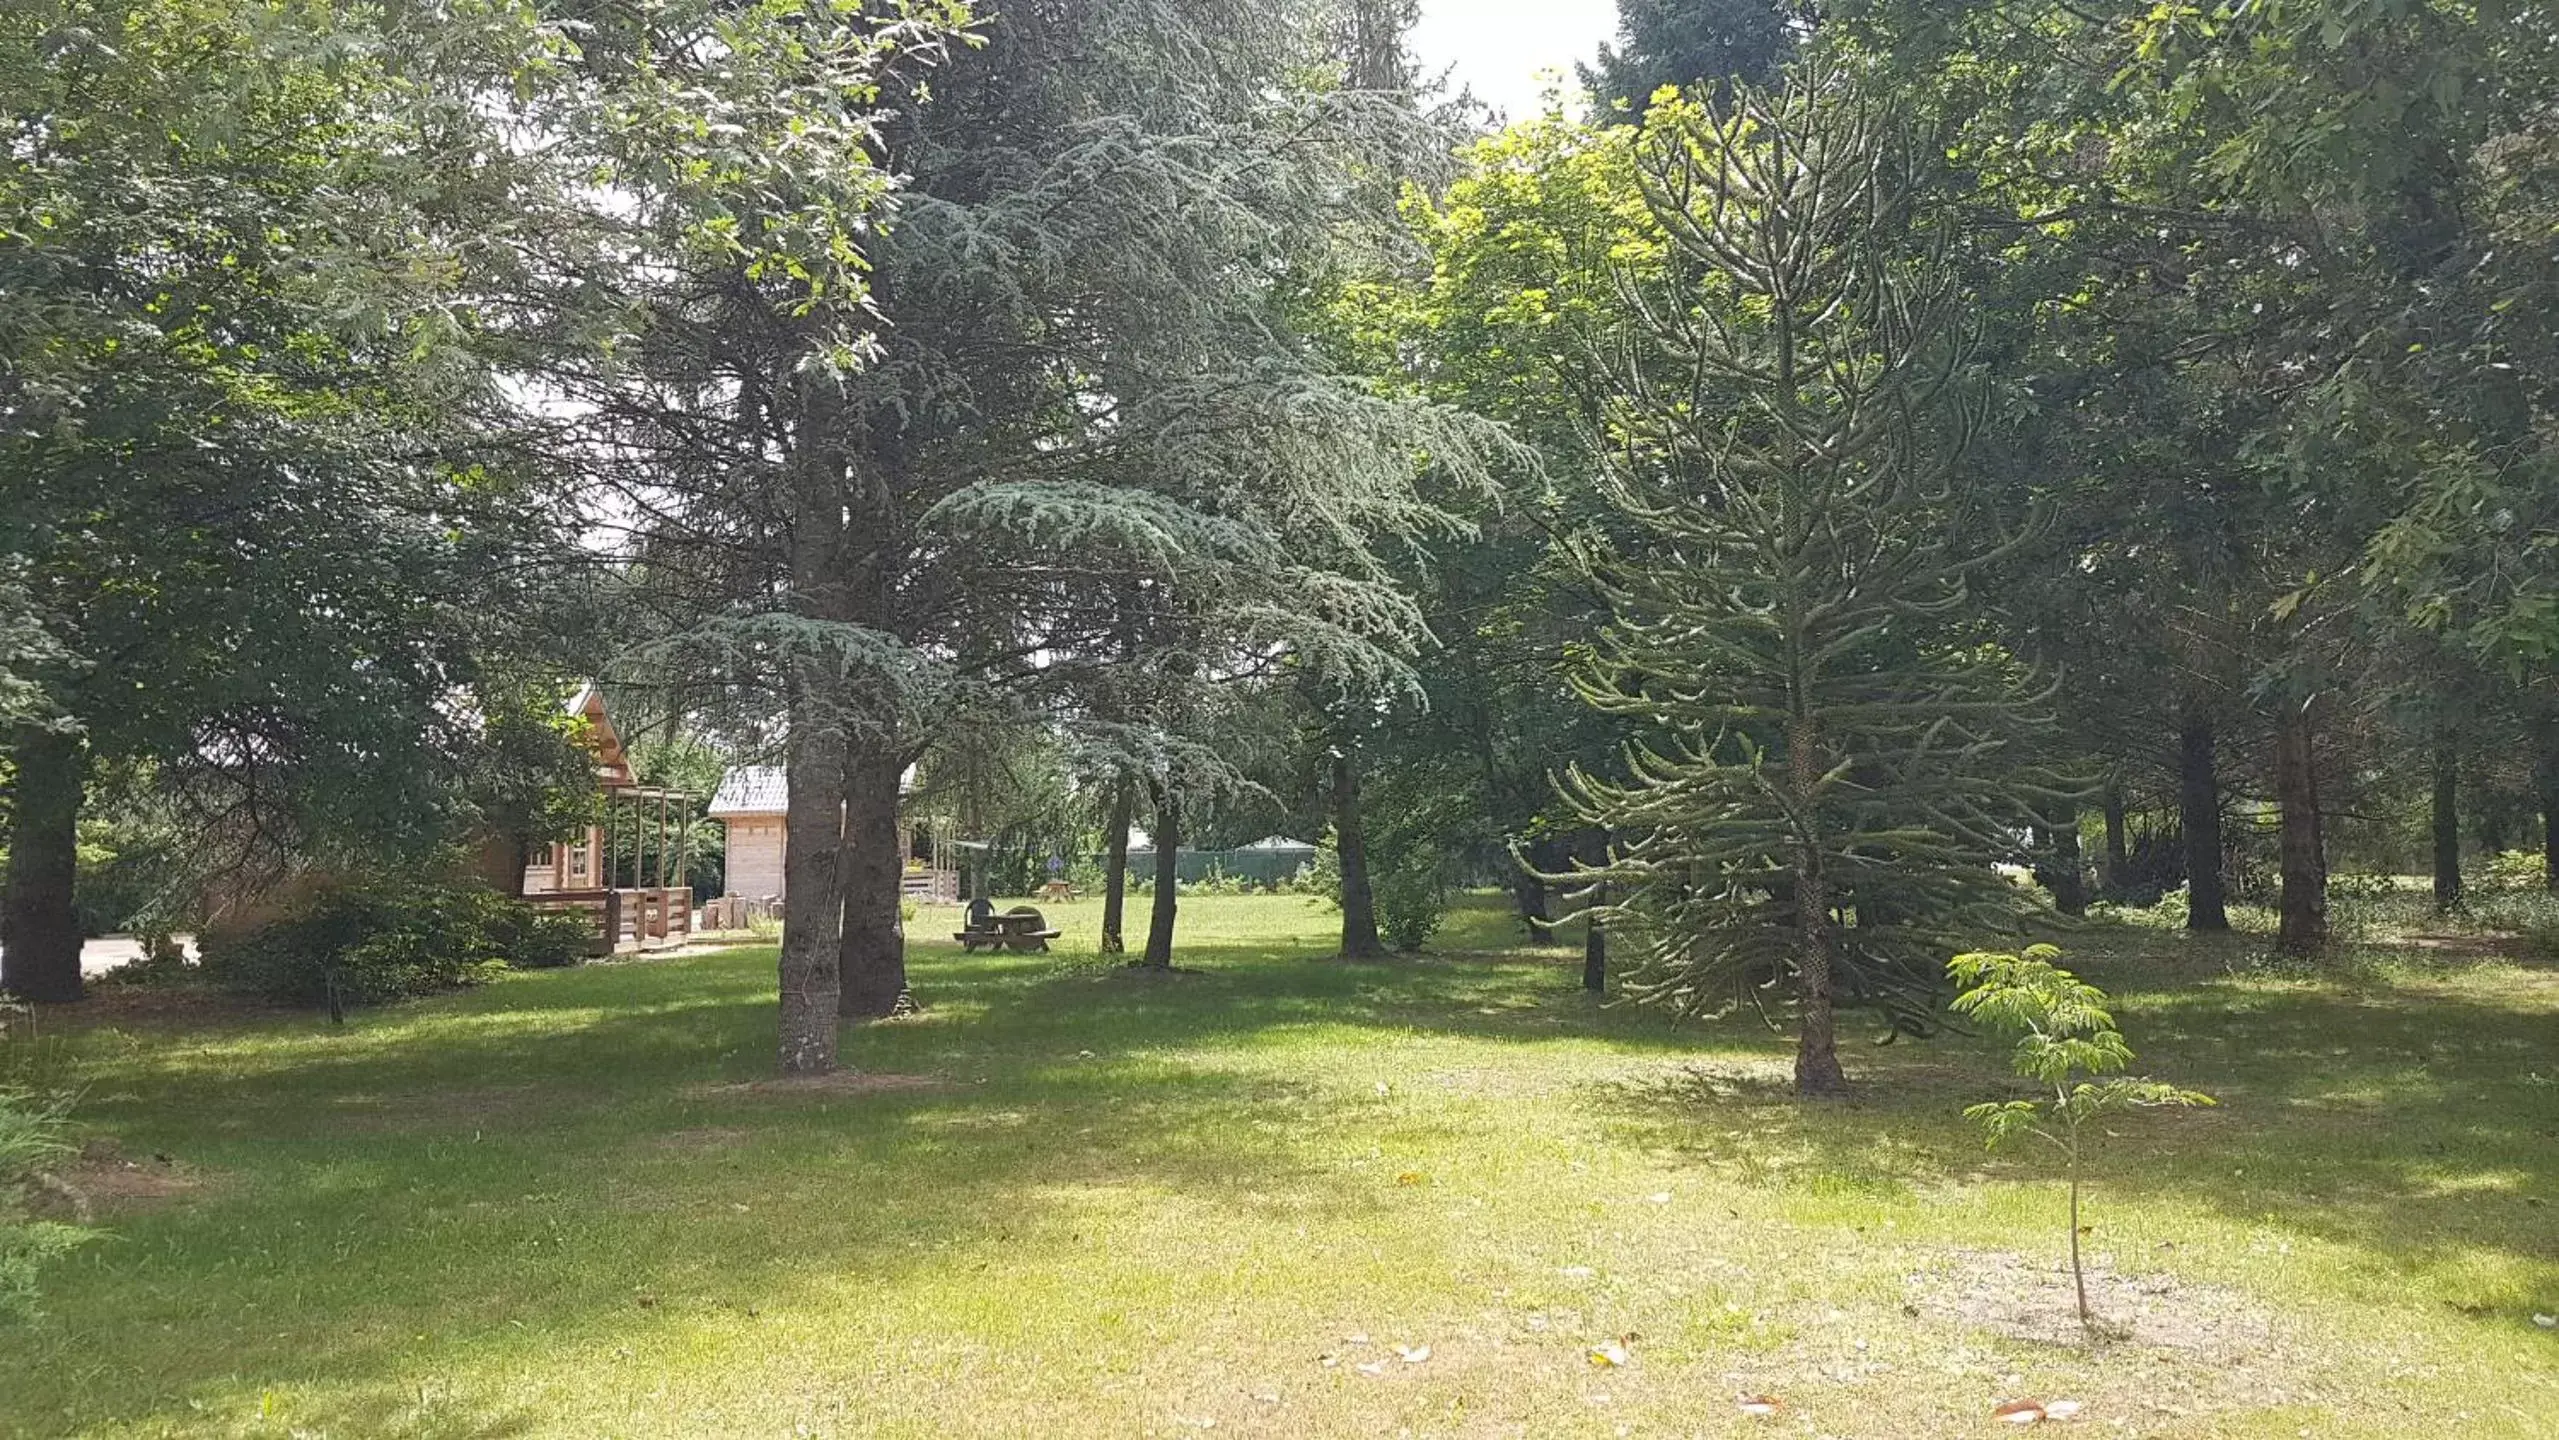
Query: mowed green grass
x=1131 y=1206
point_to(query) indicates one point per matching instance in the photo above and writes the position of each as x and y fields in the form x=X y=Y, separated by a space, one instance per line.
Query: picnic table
x=1057 y=890
x=1020 y=928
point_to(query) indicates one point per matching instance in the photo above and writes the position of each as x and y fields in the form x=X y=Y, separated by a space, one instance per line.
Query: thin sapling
x=2068 y=1044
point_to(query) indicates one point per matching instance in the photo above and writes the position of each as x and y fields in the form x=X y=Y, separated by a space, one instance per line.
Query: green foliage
x=2068 y=1045
x=373 y=941
x=1698 y=45
x=1409 y=886
x=1820 y=737
x=33 y=1139
x=2511 y=872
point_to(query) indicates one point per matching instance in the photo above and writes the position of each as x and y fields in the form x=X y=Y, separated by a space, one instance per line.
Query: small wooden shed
x=752 y=801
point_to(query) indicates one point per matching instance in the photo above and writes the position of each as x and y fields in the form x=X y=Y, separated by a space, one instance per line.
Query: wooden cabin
x=646 y=822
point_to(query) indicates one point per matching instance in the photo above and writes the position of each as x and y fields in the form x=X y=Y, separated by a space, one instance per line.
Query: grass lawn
x=1216 y=1202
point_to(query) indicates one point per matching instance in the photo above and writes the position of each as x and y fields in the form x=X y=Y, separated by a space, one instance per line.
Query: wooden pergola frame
x=655 y=909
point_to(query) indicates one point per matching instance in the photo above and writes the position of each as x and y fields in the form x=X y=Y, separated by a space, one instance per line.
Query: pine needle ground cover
x=1280 y=1195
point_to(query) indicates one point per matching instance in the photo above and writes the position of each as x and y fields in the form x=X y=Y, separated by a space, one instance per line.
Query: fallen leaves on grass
x=2019 y=1412
x=1412 y=1354
x=1761 y=1406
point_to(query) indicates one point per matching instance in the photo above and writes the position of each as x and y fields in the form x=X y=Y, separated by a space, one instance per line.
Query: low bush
x=368 y=942
x=1412 y=896
x=2511 y=872
x=33 y=1139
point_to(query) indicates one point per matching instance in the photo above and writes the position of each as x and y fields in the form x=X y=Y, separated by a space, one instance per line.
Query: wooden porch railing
x=628 y=919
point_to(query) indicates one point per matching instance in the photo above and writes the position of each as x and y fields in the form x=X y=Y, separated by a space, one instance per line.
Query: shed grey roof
x=766 y=790
x=752 y=790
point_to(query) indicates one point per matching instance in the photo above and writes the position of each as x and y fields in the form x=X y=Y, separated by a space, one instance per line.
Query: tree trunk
x=39 y=926
x=2061 y=870
x=812 y=889
x=1595 y=947
x=1115 y=869
x=2304 y=927
x=2070 y=894
x=1359 y=900
x=1536 y=904
x=2548 y=779
x=2199 y=821
x=2447 y=821
x=2117 y=881
x=1168 y=880
x=1817 y=1072
x=873 y=964
x=1528 y=891
x=1594 y=934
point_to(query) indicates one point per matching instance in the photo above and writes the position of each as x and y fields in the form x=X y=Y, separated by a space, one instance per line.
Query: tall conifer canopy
x=1831 y=763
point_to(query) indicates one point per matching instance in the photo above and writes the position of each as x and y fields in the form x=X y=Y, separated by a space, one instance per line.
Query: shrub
x=367 y=942
x=1408 y=904
x=33 y=1138
x=2511 y=872
x=1411 y=898
x=2532 y=914
x=1322 y=875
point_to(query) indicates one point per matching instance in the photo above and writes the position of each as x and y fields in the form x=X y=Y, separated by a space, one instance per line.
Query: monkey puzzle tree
x=1831 y=764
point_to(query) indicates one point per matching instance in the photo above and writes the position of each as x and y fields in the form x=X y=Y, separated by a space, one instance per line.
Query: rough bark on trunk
x=1528 y=892
x=2118 y=877
x=1594 y=934
x=39 y=924
x=1115 y=870
x=1817 y=1071
x=1595 y=948
x=2304 y=924
x=873 y=963
x=2070 y=882
x=812 y=891
x=2549 y=787
x=1359 y=899
x=1168 y=877
x=2447 y=821
x=1536 y=903
x=2199 y=822
x=821 y=502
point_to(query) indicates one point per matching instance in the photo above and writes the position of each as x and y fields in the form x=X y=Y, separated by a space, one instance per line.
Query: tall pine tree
x=1831 y=765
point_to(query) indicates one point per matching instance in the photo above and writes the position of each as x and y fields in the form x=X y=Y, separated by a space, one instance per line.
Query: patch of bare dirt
x=113 y=1006
x=699 y=1139
x=104 y=1180
x=837 y=1082
x=445 y=1108
x=1135 y=971
x=2033 y=1300
x=2472 y=946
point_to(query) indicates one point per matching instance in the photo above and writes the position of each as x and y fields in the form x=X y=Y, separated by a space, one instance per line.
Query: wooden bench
x=1020 y=928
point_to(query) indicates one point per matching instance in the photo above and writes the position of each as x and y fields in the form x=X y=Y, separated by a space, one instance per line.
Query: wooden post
x=612 y=920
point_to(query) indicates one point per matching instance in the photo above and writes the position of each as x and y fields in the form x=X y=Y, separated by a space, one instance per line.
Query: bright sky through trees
x=1500 y=46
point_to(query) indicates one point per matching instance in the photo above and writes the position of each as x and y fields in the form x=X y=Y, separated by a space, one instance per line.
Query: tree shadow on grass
x=492 y=1169
x=2400 y=1122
